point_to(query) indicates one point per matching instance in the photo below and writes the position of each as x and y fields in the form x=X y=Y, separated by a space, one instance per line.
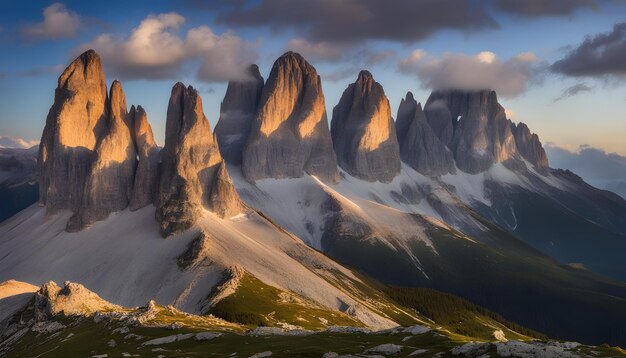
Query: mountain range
x=451 y=196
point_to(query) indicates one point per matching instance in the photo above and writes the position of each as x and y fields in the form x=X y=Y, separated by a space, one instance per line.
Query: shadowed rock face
x=110 y=182
x=419 y=146
x=193 y=176
x=237 y=112
x=474 y=127
x=75 y=122
x=146 y=175
x=363 y=132
x=529 y=146
x=290 y=134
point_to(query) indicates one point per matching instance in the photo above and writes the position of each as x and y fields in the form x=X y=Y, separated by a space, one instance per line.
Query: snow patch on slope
x=36 y=249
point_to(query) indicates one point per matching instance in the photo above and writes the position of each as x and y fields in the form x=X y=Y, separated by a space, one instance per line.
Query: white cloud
x=155 y=50
x=58 y=22
x=510 y=114
x=482 y=71
x=8 y=142
x=486 y=57
x=224 y=57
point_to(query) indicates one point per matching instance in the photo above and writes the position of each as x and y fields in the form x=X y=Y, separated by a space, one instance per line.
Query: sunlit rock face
x=75 y=123
x=529 y=146
x=146 y=175
x=419 y=146
x=193 y=175
x=289 y=136
x=363 y=132
x=237 y=112
x=474 y=127
x=110 y=181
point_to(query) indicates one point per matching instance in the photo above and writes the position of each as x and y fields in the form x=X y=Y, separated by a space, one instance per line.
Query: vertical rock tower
x=193 y=174
x=290 y=135
x=75 y=122
x=419 y=146
x=474 y=127
x=109 y=184
x=363 y=132
x=147 y=174
x=237 y=112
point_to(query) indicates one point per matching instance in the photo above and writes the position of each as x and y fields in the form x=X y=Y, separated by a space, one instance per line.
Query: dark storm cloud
x=352 y=20
x=574 y=90
x=598 y=56
x=538 y=8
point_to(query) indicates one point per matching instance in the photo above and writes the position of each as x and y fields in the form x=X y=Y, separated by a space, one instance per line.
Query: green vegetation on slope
x=255 y=303
x=458 y=315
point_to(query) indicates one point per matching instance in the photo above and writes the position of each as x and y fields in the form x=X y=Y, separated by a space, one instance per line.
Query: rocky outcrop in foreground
x=290 y=135
x=363 y=132
x=237 y=112
x=419 y=146
x=193 y=174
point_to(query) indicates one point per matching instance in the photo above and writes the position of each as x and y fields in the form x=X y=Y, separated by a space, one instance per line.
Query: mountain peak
x=364 y=76
x=290 y=135
x=419 y=146
x=473 y=125
x=237 y=112
x=363 y=132
x=192 y=175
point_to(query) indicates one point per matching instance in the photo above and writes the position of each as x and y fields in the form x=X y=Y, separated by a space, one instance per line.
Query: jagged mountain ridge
x=187 y=194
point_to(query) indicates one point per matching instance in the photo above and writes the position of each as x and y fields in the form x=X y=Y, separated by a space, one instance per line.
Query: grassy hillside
x=458 y=315
x=255 y=303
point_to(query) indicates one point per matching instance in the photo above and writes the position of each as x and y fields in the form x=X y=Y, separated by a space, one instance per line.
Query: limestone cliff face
x=146 y=175
x=74 y=125
x=529 y=146
x=290 y=135
x=474 y=127
x=237 y=112
x=363 y=132
x=419 y=146
x=110 y=181
x=193 y=176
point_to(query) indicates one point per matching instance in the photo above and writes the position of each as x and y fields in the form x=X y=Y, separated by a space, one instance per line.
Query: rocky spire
x=419 y=146
x=74 y=125
x=109 y=185
x=406 y=113
x=146 y=175
x=290 y=134
x=363 y=132
x=529 y=146
x=237 y=112
x=474 y=127
x=193 y=176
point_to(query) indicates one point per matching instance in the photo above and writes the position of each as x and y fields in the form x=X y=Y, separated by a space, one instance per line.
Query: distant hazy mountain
x=599 y=168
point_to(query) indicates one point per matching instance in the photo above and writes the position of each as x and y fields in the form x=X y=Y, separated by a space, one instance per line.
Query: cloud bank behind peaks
x=155 y=50
x=58 y=22
x=472 y=72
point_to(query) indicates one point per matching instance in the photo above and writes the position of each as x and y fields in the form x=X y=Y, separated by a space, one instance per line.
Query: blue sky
x=518 y=45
